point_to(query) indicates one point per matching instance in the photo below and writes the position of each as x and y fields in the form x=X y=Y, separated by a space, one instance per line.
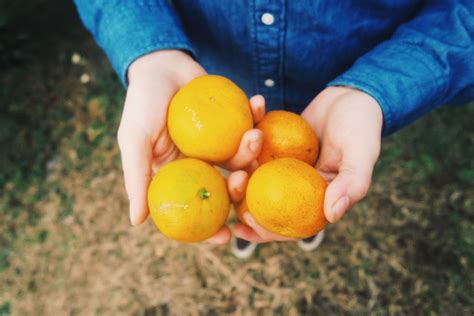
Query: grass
x=66 y=246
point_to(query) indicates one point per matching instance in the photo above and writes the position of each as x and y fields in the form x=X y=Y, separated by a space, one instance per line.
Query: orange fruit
x=240 y=209
x=208 y=117
x=188 y=200
x=286 y=196
x=287 y=135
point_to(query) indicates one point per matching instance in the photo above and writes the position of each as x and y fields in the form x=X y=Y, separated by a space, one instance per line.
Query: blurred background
x=67 y=248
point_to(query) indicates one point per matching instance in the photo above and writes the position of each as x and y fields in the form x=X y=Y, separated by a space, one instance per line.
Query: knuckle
x=361 y=189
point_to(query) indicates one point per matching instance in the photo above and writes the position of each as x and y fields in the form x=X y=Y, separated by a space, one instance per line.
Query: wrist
x=367 y=102
x=369 y=105
x=340 y=101
x=166 y=62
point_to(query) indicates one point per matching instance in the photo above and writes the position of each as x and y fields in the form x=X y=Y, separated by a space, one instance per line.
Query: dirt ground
x=67 y=248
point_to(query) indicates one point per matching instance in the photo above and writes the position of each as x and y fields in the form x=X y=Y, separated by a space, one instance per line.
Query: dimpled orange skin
x=188 y=200
x=287 y=135
x=208 y=117
x=240 y=209
x=286 y=196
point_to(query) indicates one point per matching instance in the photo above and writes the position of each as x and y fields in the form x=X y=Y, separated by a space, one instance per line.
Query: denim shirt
x=410 y=55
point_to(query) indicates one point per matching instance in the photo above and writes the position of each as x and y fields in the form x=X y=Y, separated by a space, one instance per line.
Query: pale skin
x=347 y=122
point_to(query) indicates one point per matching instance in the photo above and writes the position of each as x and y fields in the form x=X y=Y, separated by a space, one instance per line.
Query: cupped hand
x=143 y=138
x=348 y=123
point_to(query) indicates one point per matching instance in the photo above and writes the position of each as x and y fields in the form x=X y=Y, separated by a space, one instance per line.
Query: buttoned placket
x=269 y=28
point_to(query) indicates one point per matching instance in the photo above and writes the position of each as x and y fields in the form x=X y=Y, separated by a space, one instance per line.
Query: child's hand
x=143 y=136
x=348 y=123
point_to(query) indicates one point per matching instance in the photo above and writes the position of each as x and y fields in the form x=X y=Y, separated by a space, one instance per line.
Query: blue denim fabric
x=410 y=55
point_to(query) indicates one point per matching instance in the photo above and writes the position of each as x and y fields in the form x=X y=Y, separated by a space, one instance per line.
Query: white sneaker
x=242 y=248
x=311 y=243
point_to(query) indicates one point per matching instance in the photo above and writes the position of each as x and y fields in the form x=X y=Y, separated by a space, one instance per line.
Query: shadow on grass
x=419 y=213
x=40 y=98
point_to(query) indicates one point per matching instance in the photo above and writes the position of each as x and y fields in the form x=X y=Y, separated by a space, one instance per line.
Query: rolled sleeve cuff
x=122 y=67
x=373 y=91
x=136 y=28
x=406 y=80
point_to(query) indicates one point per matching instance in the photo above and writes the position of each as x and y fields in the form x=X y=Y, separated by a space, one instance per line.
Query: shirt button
x=268 y=19
x=269 y=83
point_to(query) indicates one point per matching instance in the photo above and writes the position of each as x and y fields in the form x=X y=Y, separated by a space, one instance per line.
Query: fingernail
x=340 y=207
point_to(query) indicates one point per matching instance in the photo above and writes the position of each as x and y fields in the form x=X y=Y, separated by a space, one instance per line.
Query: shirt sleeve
x=427 y=62
x=128 y=29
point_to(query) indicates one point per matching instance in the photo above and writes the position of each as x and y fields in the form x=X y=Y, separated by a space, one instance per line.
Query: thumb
x=136 y=155
x=350 y=185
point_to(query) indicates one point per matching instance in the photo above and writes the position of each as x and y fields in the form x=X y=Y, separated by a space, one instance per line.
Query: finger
x=257 y=106
x=329 y=160
x=164 y=151
x=327 y=176
x=252 y=167
x=262 y=232
x=223 y=236
x=242 y=231
x=249 y=149
x=237 y=184
x=349 y=186
x=136 y=153
x=162 y=144
x=171 y=154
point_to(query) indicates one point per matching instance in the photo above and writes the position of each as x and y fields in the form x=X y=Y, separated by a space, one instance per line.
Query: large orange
x=208 y=117
x=287 y=135
x=188 y=200
x=240 y=209
x=286 y=196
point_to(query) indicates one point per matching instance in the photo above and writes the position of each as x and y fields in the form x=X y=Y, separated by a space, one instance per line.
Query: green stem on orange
x=204 y=194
